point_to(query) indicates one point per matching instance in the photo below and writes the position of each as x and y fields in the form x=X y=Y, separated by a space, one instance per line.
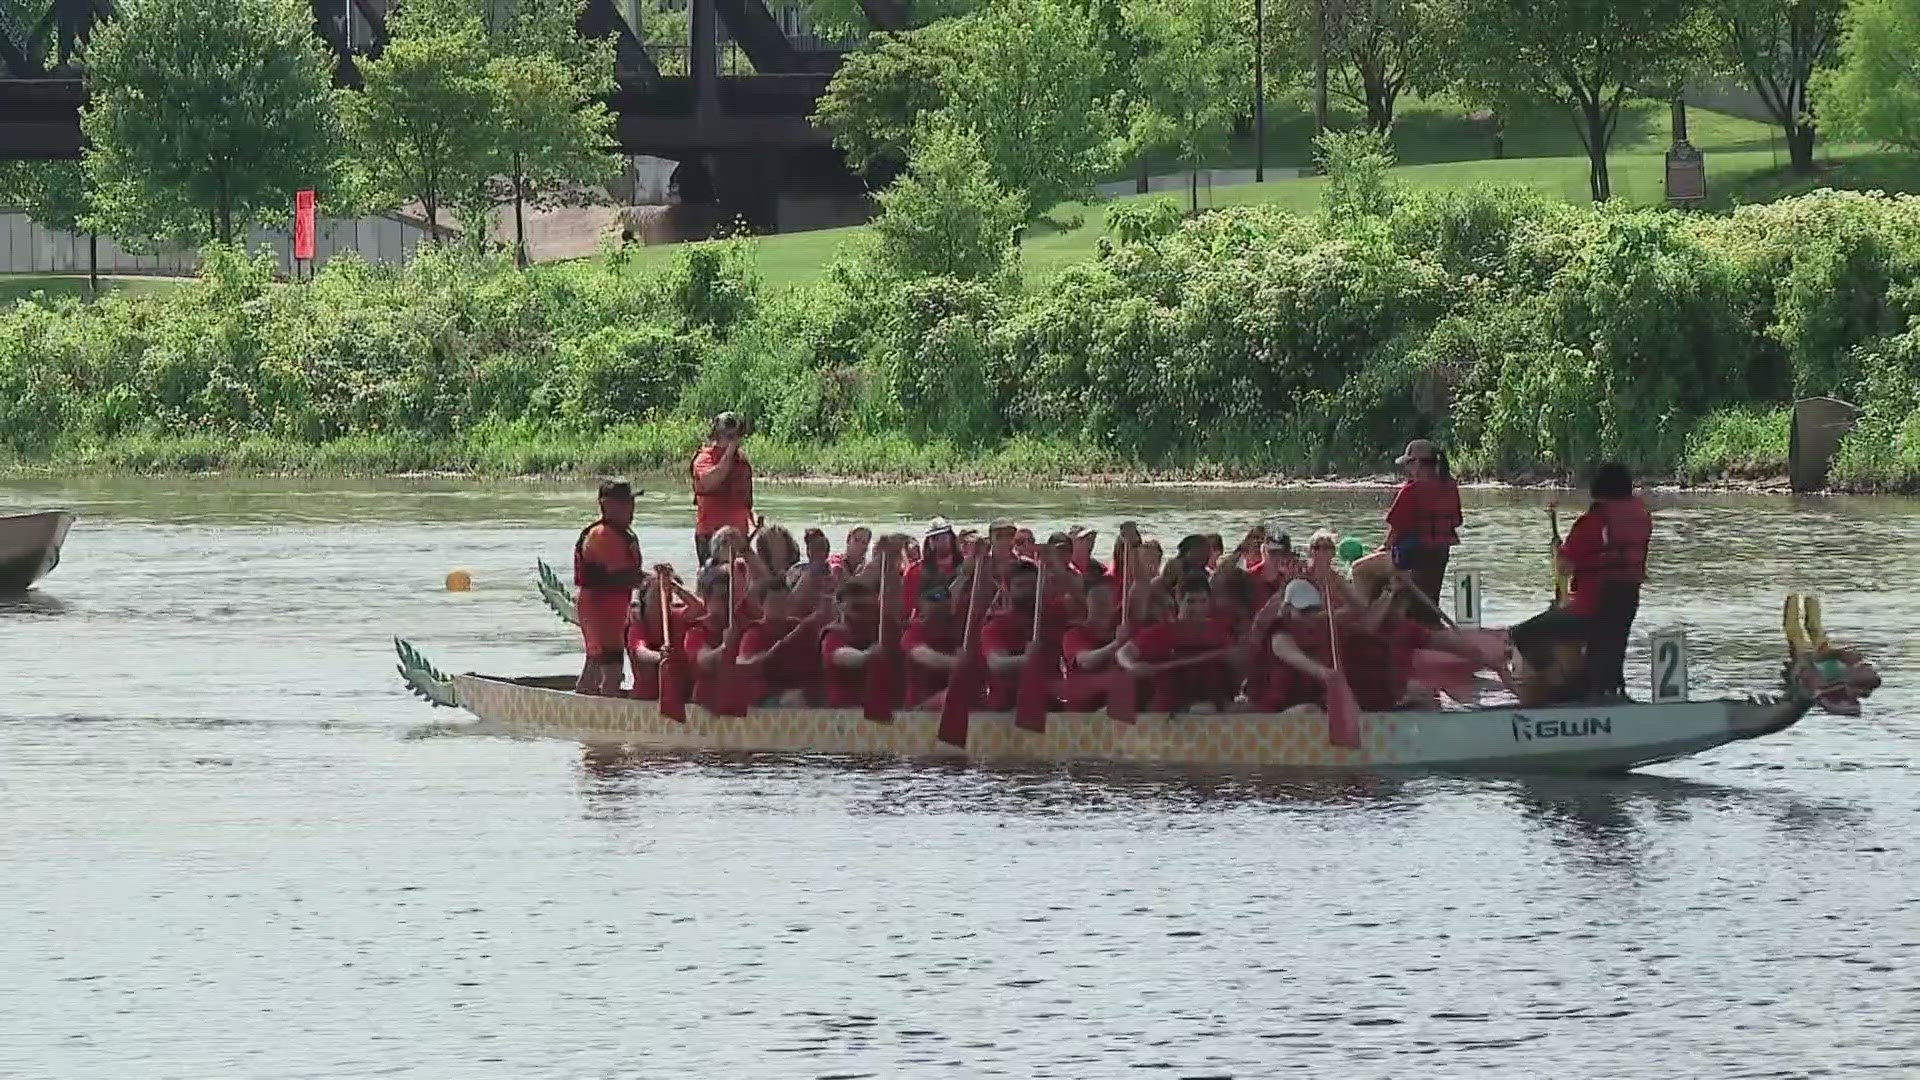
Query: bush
x=946 y=217
x=1358 y=166
x=622 y=374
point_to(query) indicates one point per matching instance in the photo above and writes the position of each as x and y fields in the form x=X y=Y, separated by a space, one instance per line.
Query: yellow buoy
x=459 y=581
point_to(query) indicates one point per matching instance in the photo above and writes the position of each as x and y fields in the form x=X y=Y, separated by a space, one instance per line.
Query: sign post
x=303 y=230
x=1686 y=168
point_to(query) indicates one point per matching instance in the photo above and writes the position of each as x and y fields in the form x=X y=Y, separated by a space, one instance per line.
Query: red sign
x=303 y=224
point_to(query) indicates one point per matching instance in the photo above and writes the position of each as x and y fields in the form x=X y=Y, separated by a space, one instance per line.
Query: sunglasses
x=1323 y=546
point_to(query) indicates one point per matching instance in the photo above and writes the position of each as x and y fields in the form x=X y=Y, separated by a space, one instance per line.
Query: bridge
x=742 y=140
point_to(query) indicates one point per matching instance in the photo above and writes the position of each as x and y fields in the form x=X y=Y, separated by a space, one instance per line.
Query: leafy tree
x=1028 y=76
x=1776 y=46
x=1385 y=47
x=1030 y=84
x=1584 y=56
x=1874 y=92
x=53 y=193
x=947 y=216
x=1192 y=78
x=881 y=90
x=426 y=127
x=842 y=19
x=554 y=134
x=206 y=118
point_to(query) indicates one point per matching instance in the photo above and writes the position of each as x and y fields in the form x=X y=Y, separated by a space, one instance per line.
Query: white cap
x=1301 y=595
x=939 y=525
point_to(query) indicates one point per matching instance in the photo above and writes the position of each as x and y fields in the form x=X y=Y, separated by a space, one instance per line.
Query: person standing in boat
x=722 y=484
x=1606 y=554
x=606 y=567
x=1423 y=524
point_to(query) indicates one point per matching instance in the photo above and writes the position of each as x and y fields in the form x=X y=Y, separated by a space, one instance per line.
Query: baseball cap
x=1417 y=450
x=939 y=525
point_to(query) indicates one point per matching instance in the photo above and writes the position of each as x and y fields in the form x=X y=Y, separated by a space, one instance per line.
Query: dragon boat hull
x=30 y=547
x=1609 y=738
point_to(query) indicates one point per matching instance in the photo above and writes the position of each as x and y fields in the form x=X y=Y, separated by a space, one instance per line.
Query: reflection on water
x=231 y=845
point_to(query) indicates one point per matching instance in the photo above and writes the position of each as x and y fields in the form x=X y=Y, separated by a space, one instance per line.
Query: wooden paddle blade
x=956 y=712
x=673 y=688
x=1037 y=681
x=1123 y=696
x=1343 y=714
x=882 y=689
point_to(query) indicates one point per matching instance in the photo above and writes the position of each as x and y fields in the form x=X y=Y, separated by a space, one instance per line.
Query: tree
x=1192 y=78
x=1385 y=47
x=1874 y=91
x=554 y=133
x=1028 y=76
x=55 y=195
x=1029 y=83
x=1584 y=56
x=206 y=118
x=1776 y=46
x=426 y=127
x=947 y=216
x=882 y=89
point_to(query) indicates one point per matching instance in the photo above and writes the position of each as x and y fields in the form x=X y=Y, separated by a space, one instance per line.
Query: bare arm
x=716 y=478
x=1289 y=653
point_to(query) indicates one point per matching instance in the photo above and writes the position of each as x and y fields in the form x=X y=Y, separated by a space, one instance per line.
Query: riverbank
x=656 y=455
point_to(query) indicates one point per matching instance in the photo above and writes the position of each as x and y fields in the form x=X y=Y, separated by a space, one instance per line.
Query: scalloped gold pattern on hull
x=1293 y=739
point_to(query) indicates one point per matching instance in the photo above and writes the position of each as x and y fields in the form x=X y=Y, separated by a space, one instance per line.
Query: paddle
x=673 y=671
x=1343 y=711
x=1553 y=555
x=881 y=666
x=957 y=710
x=1123 y=690
x=727 y=700
x=1038 y=674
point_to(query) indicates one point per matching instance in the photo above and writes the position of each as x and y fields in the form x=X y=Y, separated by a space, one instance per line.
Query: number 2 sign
x=1669 y=648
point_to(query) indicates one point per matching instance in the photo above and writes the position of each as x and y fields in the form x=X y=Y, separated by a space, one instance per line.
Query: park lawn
x=1429 y=131
x=1736 y=173
x=55 y=286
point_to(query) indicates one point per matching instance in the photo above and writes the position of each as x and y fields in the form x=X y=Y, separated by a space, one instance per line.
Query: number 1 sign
x=1466 y=599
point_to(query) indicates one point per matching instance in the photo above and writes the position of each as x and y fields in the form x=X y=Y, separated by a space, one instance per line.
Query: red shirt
x=795 y=667
x=1186 y=686
x=1607 y=543
x=643 y=634
x=924 y=682
x=733 y=503
x=705 y=683
x=1083 y=694
x=846 y=688
x=1367 y=660
x=910 y=584
x=1005 y=634
x=1426 y=510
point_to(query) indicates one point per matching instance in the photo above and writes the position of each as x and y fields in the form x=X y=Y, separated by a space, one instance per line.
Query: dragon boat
x=1595 y=738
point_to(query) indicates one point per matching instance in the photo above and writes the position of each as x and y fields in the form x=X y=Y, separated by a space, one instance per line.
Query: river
x=232 y=846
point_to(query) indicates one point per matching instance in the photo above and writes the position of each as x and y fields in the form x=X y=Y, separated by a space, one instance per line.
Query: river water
x=232 y=846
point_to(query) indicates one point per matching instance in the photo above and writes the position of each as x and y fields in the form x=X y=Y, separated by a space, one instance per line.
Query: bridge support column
x=703 y=59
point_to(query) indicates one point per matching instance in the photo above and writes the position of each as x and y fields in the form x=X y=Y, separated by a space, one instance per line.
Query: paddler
x=647 y=639
x=722 y=484
x=1606 y=554
x=1423 y=524
x=1187 y=660
x=1301 y=643
x=606 y=567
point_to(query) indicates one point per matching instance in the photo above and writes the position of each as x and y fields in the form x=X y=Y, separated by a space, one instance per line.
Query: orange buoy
x=459 y=581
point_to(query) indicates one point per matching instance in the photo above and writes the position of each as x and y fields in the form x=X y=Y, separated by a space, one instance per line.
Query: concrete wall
x=26 y=248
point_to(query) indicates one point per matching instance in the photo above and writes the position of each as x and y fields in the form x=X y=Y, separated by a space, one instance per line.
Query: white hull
x=30 y=547
x=1579 y=739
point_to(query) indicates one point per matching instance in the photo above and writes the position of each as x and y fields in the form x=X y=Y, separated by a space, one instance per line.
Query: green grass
x=1742 y=167
x=55 y=286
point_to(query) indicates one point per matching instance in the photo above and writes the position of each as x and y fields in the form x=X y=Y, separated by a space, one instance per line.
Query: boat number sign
x=1669 y=649
x=1466 y=599
x=1527 y=728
